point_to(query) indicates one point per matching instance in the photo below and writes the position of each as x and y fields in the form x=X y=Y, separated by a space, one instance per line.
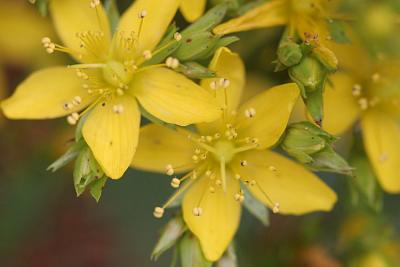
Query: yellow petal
x=296 y=189
x=77 y=16
x=192 y=9
x=43 y=95
x=159 y=16
x=20 y=43
x=341 y=109
x=160 y=146
x=228 y=66
x=173 y=98
x=270 y=14
x=220 y=216
x=273 y=108
x=113 y=137
x=382 y=142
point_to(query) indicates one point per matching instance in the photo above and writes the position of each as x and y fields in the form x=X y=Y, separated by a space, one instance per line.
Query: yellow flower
x=111 y=82
x=368 y=92
x=229 y=153
x=192 y=9
x=308 y=19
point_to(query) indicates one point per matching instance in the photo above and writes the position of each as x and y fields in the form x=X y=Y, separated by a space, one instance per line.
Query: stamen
x=158 y=212
x=172 y=63
x=376 y=77
x=356 y=91
x=239 y=196
x=118 y=109
x=77 y=100
x=177 y=36
x=250 y=113
x=142 y=14
x=276 y=208
x=243 y=163
x=94 y=3
x=197 y=211
x=175 y=182
x=169 y=170
x=147 y=54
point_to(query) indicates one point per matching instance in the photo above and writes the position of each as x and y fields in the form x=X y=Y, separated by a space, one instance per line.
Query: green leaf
x=337 y=31
x=169 y=236
x=112 y=14
x=212 y=18
x=96 y=187
x=229 y=259
x=191 y=253
x=255 y=207
x=71 y=153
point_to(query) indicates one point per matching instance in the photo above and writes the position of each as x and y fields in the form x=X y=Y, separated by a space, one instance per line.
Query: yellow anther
x=376 y=77
x=77 y=100
x=276 y=208
x=94 y=3
x=250 y=113
x=169 y=170
x=175 y=182
x=356 y=91
x=243 y=163
x=147 y=54
x=213 y=85
x=71 y=120
x=239 y=197
x=253 y=182
x=195 y=158
x=158 y=212
x=142 y=14
x=237 y=176
x=272 y=168
x=172 y=63
x=46 y=40
x=197 y=211
x=177 y=36
x=218 y=182
x=212 y=189
x=118 y=109
x=75 y=116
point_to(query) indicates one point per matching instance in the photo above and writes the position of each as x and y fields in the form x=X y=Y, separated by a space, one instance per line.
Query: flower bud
x=195 y=46
x=289 y=53
x=312 y=146
x=310 y=75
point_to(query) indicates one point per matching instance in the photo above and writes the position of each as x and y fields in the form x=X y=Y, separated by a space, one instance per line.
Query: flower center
x=115 y=73
x=224 y=150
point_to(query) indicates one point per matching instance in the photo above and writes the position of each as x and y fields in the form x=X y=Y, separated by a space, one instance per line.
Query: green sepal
x=113 y=15
x=255 y=207
x=156 y=120
x=168 y=35
x=70 y=155
x=194 y=70
x=170 y=235
x=208 y=21
x=88 y=174
x=196 y=46
x=191 y=253
x=162 y=53
x=330 y=161
x=337 y=31
x=224 y=41
x=96 y=188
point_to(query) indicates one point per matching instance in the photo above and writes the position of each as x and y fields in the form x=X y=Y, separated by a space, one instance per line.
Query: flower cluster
x=147 y=95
